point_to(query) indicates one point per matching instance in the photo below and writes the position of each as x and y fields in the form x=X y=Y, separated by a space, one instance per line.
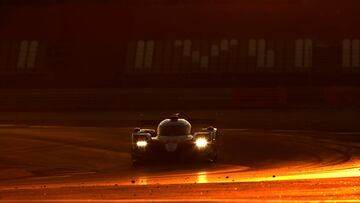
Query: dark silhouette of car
x=173 y=140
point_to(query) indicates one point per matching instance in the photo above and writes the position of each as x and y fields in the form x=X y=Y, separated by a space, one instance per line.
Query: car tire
x=135 y=161
x=214 y=156
x=211 y=158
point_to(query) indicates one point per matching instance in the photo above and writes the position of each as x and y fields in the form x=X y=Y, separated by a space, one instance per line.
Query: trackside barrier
x=181 y=98
x=342 y=96
x=260 y=97
x=297 y=96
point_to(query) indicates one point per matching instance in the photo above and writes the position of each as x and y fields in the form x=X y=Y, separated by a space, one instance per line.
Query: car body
x=173 y=140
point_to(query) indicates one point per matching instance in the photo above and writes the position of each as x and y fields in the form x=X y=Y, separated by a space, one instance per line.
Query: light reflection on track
x=185 y=200
x=97 y=160
x=205 y=177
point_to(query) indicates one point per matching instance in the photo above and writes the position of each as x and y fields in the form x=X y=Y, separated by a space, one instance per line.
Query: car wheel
x=138 y=161
x=211 y=158
x=214 y=156
x=135 y=161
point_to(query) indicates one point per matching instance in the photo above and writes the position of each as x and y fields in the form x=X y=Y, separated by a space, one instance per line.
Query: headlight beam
x=141 y=143
x=201 y=142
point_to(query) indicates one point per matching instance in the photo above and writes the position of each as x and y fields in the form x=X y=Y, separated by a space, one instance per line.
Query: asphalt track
x=92 y=164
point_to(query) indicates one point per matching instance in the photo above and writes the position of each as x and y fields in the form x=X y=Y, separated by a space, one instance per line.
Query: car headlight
x=201 y=142
x=141 y=143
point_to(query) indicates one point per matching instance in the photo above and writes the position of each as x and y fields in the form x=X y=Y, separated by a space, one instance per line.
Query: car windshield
x=173 y=130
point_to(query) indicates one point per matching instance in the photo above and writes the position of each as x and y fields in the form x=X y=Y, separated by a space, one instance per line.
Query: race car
x=173 y=140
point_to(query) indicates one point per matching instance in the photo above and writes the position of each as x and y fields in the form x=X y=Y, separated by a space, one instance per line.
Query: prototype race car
x=173 y=140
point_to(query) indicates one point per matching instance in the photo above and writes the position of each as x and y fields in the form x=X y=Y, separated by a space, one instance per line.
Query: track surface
x=83 y=164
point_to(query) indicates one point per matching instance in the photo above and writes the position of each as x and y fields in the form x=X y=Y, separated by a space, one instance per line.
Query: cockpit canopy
x=174 y=126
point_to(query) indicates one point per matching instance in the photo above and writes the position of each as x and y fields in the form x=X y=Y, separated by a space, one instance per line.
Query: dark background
x=306 y=52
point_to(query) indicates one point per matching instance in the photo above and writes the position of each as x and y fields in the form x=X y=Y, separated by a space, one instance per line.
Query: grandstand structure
x=179 y=43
